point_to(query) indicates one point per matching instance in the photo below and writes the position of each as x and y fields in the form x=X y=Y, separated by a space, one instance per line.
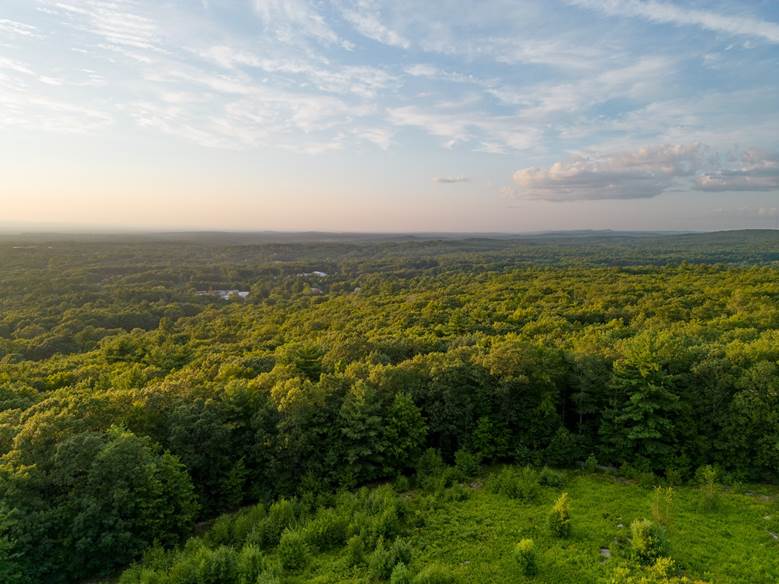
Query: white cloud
x=666 y=13
x=365 y=17
x=753 y=171
x=295 y=20
x=451 y=179
x=643 y=173
x=117 y=22
x=647 y=172
x=21 y=29
x=458 y=125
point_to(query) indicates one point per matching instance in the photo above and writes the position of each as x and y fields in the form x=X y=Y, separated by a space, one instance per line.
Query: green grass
x=474 y=538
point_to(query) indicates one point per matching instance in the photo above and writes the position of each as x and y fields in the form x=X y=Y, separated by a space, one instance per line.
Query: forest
x=602 y=407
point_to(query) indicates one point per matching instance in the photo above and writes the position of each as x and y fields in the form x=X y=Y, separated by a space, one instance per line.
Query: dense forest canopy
x=134 y=402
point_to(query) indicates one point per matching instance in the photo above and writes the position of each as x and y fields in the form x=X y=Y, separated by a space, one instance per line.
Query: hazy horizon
x=363 y=116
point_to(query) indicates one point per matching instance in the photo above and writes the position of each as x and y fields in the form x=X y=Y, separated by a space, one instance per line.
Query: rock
x=605 y=552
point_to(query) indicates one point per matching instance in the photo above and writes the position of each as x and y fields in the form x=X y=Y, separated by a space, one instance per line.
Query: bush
x=673 y=476
x=707 y=478
x=525 y=556
x=281 y=515
x=355 y=550
x=429 y=464
x=662 y=506
x=550 y=478
x=435 y=574
x=647 y=541
x=559 y=519
x=591 y=464
x=293 y=551
x=401 y=484
x=515 y=483
x=564 y=449
x=217 y=566
x=400 y=574
x=467 y=464
x=327 y=530
x=456 y=492
x=250 y=565
x=384 y=558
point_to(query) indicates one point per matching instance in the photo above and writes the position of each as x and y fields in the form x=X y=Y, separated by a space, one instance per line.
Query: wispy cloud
x=448 y=180
x=365 y=17
x=666 y=13
x=297 y=20
x=12 y=27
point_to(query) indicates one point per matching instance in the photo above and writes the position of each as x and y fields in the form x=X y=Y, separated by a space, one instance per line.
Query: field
x=470 y=531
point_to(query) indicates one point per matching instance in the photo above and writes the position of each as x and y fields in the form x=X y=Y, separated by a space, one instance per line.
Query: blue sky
x=364 y=115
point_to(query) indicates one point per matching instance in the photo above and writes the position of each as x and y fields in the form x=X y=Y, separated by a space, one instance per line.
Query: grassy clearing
x=476 y=537
x=469 y=533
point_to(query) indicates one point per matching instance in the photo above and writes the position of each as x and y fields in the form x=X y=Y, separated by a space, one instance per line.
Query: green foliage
x=385 y=558
x=564 y=450
x=435 y=574
x=647 y=541
x=707 y=478
x=400 y=574
x=525 y=557
x=132 y=407
x=516 y=483
x=559 y=518
x=662 y=506
x=591 y=464
x=250 y=564
x=281 y=515
x=327 y=530
x=550 y=478
x=293 y=550
x=467 y=464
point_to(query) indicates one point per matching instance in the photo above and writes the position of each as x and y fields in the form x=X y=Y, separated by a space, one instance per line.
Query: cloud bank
x=648 y=172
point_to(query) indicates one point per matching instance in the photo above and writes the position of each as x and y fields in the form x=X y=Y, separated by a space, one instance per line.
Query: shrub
x=467 y=464
x=245 y=522
x=430 y=464
x=559 y=519
x=515 y=483
x=647 y=541
x=662 y=506
x=564 y=449
x=384 y=558
x=217 y=566
x=456 y=492
x=435 y=574
x=525 y=556
x=401 y=484
x=250 y=564
x=400 y=574
x=293 y=551
x=550 y=478
x=281 y=515
x=707 y=478
x=355 y=550
x=591 y=464
x=327 y=530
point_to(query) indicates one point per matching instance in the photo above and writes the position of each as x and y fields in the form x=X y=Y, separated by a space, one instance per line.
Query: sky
x=389 y=116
